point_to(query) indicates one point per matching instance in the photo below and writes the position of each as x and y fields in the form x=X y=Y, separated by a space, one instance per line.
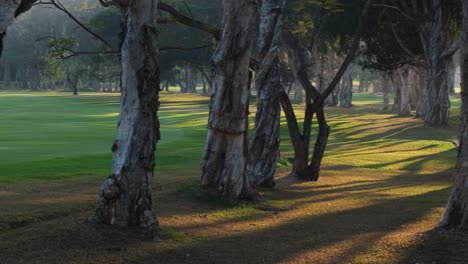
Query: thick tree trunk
x=456 y=212
x=225 y=160
x=421 y=92
x=264 y=144
x=436 y=42
x=183 y=86
x=386 y=88
x=330 y=66
x=437 y=99
x=396 y=82
x=405 y=103
x=413 y=87
x=346 y=91
x=125 y=198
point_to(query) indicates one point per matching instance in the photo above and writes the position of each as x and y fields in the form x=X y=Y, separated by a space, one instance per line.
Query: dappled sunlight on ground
x=382 y=190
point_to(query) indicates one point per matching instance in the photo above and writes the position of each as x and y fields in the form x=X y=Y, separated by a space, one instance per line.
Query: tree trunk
x=451 y=76
x=412 y=87
x=421 y=92
x=346 y=91
x=225 y=160
x=204 y=90
x=125 y=198
x=456 y=212
x=405 y=103
x=436 y=41
x=298 y=93
x=264 y=144
x=183 y=86
x=193 y=80
x=386 y=89
x=330 y=66
x=362 y=84
x=396 y=81
x=206 y=79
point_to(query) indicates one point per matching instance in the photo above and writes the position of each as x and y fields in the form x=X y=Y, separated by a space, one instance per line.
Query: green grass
x=55 y=136
x=382 y=189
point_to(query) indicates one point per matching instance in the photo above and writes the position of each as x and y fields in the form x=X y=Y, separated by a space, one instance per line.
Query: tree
x=346 y=90
x=125 y=198
x=434 y=21
x=225 y=159
x=264 y=143
x=315 y=100
x=456 y=213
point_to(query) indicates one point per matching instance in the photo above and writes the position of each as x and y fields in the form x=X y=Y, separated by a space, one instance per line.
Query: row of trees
x=317 y=40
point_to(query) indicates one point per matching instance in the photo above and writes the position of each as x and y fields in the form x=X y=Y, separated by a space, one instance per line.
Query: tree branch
x=62 y=8
x=190 y=22
x=349 y=58
x=452 y=49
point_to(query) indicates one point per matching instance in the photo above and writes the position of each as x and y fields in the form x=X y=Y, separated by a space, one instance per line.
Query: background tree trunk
x=405 y=102
x=421 y=92
x=225 y=160
x=125 y=199
x=298 y=93
x=346 y=91
x=386 y=88
x=396 y=82
x=436 y=42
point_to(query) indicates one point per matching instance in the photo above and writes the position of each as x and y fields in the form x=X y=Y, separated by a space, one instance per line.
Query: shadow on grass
x=439 y=246
x=306 y=234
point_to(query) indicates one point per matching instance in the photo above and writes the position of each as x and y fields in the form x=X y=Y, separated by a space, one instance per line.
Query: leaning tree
x=265 y=139
x=225 y=159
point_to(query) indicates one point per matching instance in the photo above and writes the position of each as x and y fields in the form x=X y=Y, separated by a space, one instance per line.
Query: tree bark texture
x=9 y=10
x=265 y=140
x=405 y=101
x=385 y=89
x=125 y=198
x=346 y=91
x=456 y=212
x=225 y=159
x=436 y=41
x=396 y=82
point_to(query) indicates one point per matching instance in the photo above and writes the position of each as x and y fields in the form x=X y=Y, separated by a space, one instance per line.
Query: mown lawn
x=382 y=190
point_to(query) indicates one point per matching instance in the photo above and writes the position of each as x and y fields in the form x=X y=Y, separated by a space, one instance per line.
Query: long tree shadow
x=304 y=239
x=312 y=233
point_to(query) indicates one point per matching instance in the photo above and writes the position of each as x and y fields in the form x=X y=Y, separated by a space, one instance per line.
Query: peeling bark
x=125 y=198
x=456 y=212
x=436 y=42
x=264 y=143
x=225 y=160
